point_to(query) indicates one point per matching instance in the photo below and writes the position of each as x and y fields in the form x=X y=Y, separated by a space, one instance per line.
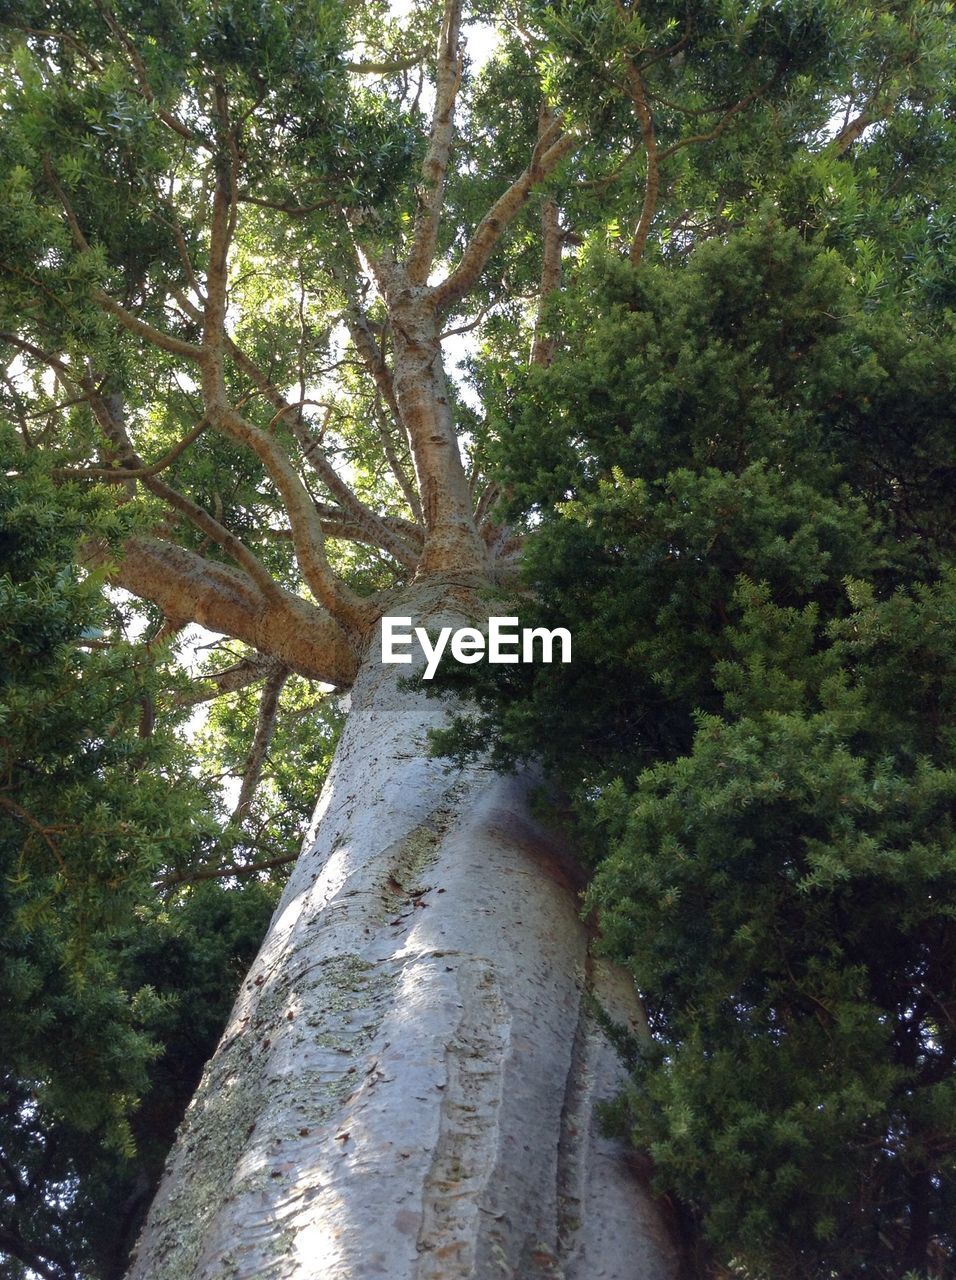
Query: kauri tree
x=236 y=240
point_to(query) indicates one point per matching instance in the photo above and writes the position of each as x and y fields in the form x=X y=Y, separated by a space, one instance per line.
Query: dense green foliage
x=785 y=895
x=743 y=480
x=112 y=994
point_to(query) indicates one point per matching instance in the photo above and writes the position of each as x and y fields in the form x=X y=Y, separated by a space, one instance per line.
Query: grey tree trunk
x=407 y=1084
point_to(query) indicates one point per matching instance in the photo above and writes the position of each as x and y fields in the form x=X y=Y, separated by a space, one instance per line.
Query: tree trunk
x=407 y=1084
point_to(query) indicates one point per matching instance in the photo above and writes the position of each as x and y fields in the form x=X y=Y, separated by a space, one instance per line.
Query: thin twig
x=258 y=751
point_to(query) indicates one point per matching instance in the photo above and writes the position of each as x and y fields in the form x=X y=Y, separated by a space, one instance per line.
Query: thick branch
x=489 y=496
x=149 y=333
x=68 y=375
x=20 y=1249
x=852 y=131
x=337 y=523
x=376 y=529
x=188 y=588
x=307 y=536
x=371 y=353
x=386 y=68
x=876 y=107
x=435 y=164
x=109 y=414
x=423 y=396
x=71 y=42
x=217 y=275
x=636 y=88
x=223 y=537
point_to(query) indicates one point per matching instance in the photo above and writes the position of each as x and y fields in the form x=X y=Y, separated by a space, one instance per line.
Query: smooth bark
x=407 y=1084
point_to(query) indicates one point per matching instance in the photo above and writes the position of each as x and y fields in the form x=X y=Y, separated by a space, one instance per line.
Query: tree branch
x=172 y=224
x=551 y=148
x=293 y=210
x=435 y=165
x=156 y=337
x=220 y=873
x=337 y=523
x=307 y=536
x=638 y=92
x=262 y=739
x=371 y=353
x=24 y=1252
x=873 y=110
x=186 y=587
x=248 y=671
x=137 y=471
x=402 y=477
x=45 y=833
x=542 y=346
x=722 y=124
x=385 y=68
x=377 y=530
x=314 y=454
x=489 y=496
x=165 y=341
x=220 y=237
x=46 y=357
x=142 y=79
x=852 y=131
x=42 y=33
x=108 y=413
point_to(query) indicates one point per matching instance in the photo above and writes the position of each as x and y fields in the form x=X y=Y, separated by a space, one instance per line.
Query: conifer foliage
x=743 y=480
x=112 y=992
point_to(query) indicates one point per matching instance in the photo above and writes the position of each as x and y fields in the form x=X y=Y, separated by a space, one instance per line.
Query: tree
x=234 y=242
x=754 y=549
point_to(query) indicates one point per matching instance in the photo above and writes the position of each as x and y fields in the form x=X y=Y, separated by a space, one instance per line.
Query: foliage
x=299 y=756
x=110 y=998
x=739 y=477
x=785 y=894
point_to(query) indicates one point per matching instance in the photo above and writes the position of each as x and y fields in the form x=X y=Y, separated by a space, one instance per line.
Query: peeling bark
x=406 y=1087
